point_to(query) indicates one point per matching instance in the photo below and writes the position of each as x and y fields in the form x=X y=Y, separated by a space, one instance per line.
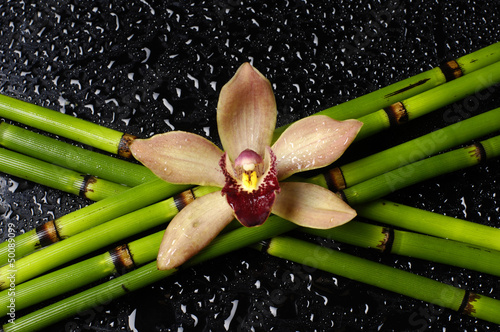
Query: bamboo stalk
x=57 y=177
x=412 y=86
x=90 y=216
x=118 y=260
x=402 y=177
x=95 y=238
x=73 y=157
x=386 y=277
x=406 y=153
x=431 y=223
x=430 y=100
x=439 y=250
x=144 y=276
x=64 y=125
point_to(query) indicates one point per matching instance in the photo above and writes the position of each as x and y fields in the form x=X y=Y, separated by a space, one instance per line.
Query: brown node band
x=467 y=306
x=451 y=70
x=386 y=244
x=184 y=198
x=122 y=258
x=335 y=179
x=397 y=114
x=48 y=233
x=84 y=188
x=124 y=145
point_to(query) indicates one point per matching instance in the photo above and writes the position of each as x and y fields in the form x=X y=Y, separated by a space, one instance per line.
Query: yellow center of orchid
x=249 y=181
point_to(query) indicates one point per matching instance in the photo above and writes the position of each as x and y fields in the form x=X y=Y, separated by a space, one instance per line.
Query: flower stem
x=412 y=86
x=117 y=260
x=430 y=100
x=406 y=153
x=90 y=216
x=57 y=177
x=69 y=156
x=64 y=125
x=386 y=277
x=411 y=244
x=144 y=276
x=95 y=238
x=430 y=223
x=402 y=177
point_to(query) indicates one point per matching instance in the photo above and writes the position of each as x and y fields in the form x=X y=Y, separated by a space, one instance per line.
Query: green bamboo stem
x=415 y=245
x=406 y=153
x=430 y=100
x=73 y=157
x=90 y=216
x=431 y=223
x=144 y=276
x=121 y=259
x=412 y=86
x=93 y=239
x=386 y=277
x=57 y=177
x=402 y=177
x=72 y=277
x=61 y=124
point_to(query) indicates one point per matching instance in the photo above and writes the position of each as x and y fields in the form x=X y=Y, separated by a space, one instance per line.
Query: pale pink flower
x=249 y=170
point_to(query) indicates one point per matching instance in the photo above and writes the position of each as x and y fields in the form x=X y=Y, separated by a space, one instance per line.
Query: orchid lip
x=252 y=196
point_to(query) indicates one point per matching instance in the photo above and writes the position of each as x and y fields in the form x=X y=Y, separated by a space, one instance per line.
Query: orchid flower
x=249 y=170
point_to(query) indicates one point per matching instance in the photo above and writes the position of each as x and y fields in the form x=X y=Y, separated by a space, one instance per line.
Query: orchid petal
x=312 y=206
x=246 y=112
x=313 y=142
x=192 y=229
x=181 y=158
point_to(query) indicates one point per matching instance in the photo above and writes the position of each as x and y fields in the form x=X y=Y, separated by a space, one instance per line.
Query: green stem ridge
x=73 y=157
x=409 y=87
x=386 y=277
x=92 y=215
x=430 y=100
x=82 y=273
x=144 y=276
x=414 y=150
x=60 y=124
x=93 y=239
x=430 y=223
x=411 y=244
x=405 y=176
x=57 y=177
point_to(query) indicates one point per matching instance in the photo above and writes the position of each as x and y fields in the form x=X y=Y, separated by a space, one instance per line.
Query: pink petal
x=246 y=113
x=180 y=157
x=313 y=142
x=311 y=206
x=193 y=229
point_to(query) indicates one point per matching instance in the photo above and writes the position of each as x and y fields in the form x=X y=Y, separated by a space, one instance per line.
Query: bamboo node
x=451 y=70
x=386 y=244
x=122 y=258
x=467 y=306
x=184 y=198
x=47 y=234
x=477 y=152
x=335 y=179
x=397 y=114
x=87 y=181
x=124 y=145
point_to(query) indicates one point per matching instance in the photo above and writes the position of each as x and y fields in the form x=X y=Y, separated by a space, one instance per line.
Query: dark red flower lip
x=251 y=208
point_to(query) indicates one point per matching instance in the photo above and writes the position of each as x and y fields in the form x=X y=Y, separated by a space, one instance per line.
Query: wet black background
x=145 y=67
